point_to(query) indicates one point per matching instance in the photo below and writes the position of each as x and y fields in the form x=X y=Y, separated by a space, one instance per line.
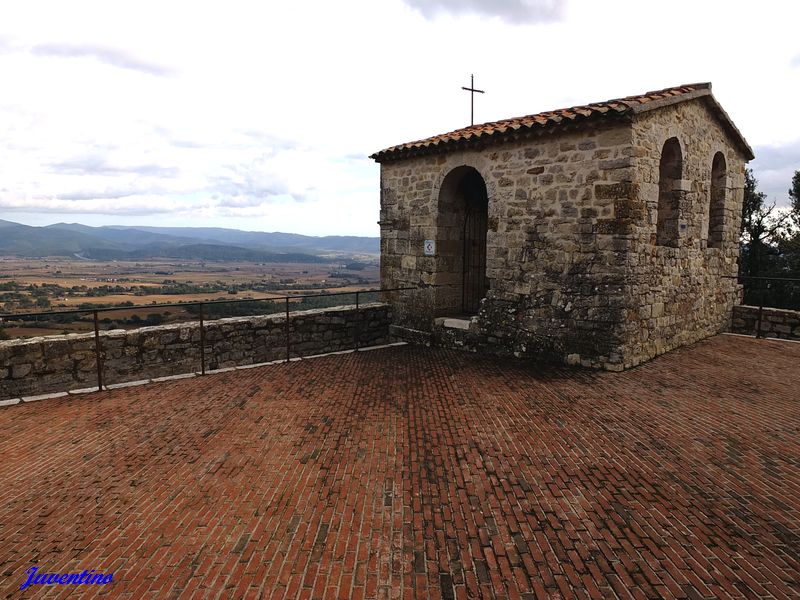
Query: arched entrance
x=462 y=224
x=476 y=219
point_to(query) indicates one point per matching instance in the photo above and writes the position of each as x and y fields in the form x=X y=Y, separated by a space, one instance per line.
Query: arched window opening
x=716 y=205
x=670 y=173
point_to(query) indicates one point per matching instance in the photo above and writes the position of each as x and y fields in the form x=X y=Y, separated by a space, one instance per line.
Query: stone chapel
x=600 y=235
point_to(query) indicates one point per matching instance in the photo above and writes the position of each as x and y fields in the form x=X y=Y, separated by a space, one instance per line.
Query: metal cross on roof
x=472 y=91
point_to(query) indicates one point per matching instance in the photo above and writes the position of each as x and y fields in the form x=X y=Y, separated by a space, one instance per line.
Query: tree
x=767 y=249
x=790 y=246
x=770 y=246
x=762 y=228
x=794 y=194
x=155 y=319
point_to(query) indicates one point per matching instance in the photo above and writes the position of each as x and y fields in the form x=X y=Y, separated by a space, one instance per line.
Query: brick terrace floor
x=418 y=473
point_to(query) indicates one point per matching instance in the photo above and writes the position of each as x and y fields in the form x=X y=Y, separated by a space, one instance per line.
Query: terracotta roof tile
x=575 y=116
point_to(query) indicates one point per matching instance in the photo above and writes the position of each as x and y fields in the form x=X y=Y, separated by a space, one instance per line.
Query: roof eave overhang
x=500 y=137
x=731 y=128
x=706 y=95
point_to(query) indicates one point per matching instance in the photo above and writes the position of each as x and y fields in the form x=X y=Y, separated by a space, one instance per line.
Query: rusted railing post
x=357 y=329
x=97 y=358
x=202 y=343
x=760 y=309
x=287 y=328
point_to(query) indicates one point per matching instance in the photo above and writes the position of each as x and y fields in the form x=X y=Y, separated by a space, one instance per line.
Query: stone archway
x=462 y=223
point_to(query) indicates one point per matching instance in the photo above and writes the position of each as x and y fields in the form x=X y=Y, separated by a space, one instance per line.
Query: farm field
x=137 y=288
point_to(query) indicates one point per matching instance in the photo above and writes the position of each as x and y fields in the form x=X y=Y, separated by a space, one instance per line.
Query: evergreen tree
x=767 y=249
x=790 y=246
x=762 y=227
x=794 y=194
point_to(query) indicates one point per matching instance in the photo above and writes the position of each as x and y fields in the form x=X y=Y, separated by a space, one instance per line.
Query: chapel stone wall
x=680 y=293
x=557 y=207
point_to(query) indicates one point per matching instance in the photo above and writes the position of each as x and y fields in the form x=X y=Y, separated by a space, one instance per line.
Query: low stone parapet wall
x=775 y=322
x=41 y=365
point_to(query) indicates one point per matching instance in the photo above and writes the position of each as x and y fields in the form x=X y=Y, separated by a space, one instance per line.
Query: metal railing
x=764 y=284
x=95 y=312
x=287 y=300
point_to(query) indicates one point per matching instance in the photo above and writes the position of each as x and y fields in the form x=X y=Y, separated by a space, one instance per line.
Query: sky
x=261 y=115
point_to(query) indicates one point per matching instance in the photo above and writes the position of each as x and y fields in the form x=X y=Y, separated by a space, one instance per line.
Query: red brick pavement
x=418 y=473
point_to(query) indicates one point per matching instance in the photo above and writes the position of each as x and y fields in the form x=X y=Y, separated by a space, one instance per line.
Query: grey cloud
x=267 y=143
x=106 y=194
x=240 y=202
x=48 y=205
x=245 y=183
x=265 y=138
x=774 y=167
x=511 y=11
x=187 y=144
x=104 y=54
x=235 y=194
x=250 y=184
x=5 y=44
x=357 y=157
x=97 y=165
x=246 y=191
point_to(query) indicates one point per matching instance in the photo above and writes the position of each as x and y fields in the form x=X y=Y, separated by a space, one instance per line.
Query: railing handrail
x=761 y=289
x=286 y=299
x=98 y=349
x=196 y=303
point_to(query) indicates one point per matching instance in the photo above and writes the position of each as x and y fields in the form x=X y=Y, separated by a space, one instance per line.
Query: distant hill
x=273 y=241
x=202 y=243
x=202 y=252
x=22 y=240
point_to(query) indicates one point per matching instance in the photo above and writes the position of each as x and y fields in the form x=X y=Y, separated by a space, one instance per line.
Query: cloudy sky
x=260 y=115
